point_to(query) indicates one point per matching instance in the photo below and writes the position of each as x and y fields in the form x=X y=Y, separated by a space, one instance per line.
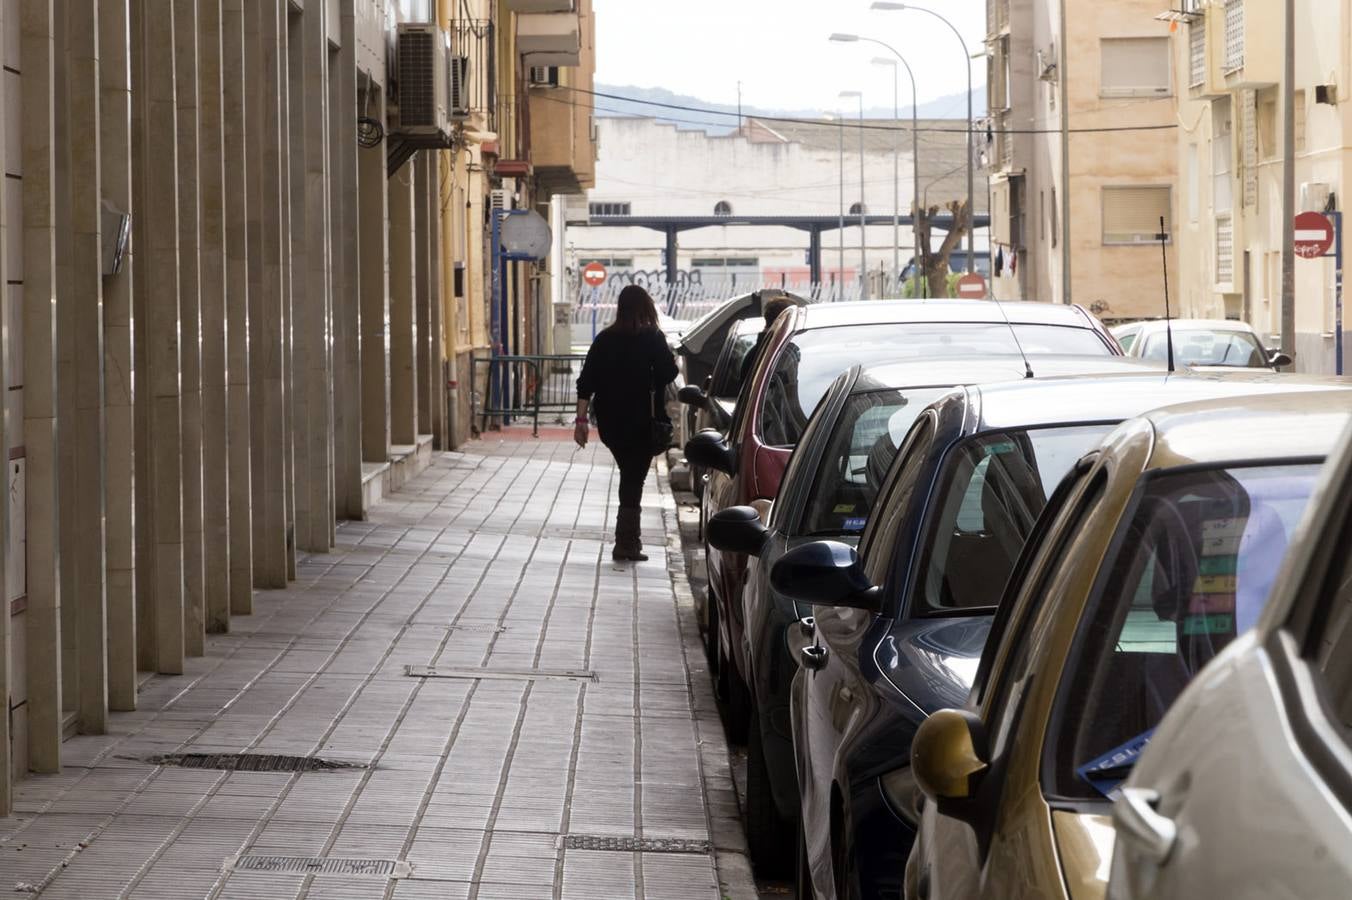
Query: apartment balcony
x=549 y=39
x=1244 y=45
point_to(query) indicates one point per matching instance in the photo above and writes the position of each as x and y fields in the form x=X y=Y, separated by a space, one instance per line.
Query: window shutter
x=1134 y=67
x=1197 y=53
x=1249 y=111
x=1225 y=250
x=1131 y=215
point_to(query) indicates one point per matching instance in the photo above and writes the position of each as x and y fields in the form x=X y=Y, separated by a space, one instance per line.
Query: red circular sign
x=594 y=274
x=972 y=287
x=1314 y=235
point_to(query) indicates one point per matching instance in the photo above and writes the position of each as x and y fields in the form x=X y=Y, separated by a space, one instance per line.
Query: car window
x=811 y=360
x=729 y=380
x=992 y=490
x=856 y=461
x=879 y=545
x=1332 y=648
x=1126 y=340
x=1191 y=568
x=1193 y=347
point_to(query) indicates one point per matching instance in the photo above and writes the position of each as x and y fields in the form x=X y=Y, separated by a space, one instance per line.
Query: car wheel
x=768 y=835
x=802 y=882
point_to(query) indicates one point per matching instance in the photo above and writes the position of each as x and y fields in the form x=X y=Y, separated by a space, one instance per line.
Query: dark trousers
x=633 y=464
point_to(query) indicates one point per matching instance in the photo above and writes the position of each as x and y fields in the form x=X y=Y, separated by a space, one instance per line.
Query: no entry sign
x=972 y=287
x=1314 y=235
x=594 y=274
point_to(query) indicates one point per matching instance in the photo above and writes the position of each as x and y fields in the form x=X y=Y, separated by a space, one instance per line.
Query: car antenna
x=1027 y=366
x=1163 y=238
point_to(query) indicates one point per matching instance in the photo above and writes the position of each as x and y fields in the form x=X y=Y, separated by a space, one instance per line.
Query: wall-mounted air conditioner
x=500 y=200
x=424 y=85
x=458 y=86
x=544 y=76
x=1314 y=196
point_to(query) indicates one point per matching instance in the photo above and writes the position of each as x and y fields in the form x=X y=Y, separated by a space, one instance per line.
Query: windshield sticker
x=1106 y=773
x=855 y=524
x=1221 y=546
x=1215 y=584
x=1223 y=528
x=842 y=508
x=1220 y=564
x=1219 y=623
x=1204 y=604
x=1000 y=448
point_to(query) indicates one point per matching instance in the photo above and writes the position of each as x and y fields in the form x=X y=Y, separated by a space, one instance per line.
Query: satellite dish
x=526 y=235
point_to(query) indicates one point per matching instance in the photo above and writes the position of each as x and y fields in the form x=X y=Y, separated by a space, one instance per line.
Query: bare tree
x=934 y=263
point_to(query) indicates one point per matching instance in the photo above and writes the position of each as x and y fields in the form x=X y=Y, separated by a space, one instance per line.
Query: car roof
x=1109 y=398
x=976 y=369
x=1280 y=426
x=829 y=315
x=1200 y=325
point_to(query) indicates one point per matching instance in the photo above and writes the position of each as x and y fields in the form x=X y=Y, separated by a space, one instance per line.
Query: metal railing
x=524 y=387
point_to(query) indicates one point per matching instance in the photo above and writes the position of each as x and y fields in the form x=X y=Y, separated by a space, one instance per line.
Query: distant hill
x=952 y=106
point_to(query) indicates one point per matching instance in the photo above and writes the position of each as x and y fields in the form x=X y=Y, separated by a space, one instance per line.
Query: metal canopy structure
x=815 y=226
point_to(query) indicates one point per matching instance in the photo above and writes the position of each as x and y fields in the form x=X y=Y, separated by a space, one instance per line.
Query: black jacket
x=620 y=377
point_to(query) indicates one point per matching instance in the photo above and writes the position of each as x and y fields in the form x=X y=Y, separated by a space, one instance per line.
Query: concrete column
x=156 y=304
x=215 y=391
x=264 y=78
x=311 y=266
x=290 y=184
x=119 y=428
x=7 y=26
x=42 y=646
x=65 y=365
x=372 y=186
x=237 y=282
x=403 y=327
x=431 y=383
x=190 y=311
x=347 y=383
x=86 y=505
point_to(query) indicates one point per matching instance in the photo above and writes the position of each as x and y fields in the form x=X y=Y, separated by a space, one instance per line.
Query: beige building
x=1229 y=54
x=244 y=255
x=1111 y=77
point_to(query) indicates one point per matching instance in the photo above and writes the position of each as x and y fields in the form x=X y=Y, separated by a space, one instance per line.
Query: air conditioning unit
x=500 y=200
x=423 y=81
x=458 y=86
x=544 y=76
x=1314 y=196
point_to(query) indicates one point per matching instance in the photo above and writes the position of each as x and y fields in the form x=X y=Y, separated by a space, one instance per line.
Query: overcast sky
x=779 y=50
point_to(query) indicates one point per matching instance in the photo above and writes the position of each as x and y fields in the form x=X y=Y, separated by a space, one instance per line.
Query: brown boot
x=628 y=543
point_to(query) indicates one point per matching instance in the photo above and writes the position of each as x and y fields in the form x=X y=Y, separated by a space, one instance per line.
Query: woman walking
x=624 y=383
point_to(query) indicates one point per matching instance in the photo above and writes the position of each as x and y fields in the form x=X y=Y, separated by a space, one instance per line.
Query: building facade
x=1230 y=160
x=242 y=290
x=1102 y=72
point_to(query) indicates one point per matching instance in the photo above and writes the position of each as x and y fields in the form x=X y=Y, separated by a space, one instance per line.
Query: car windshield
x=1237 y=349
x=812 y=359
x=992 y=490
x=863 y=443
x=1191 y=569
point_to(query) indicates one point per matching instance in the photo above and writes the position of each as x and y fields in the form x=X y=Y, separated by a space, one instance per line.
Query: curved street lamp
x=967 y=62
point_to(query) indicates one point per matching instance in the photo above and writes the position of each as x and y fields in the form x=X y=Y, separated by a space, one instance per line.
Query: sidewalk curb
x=731 y=860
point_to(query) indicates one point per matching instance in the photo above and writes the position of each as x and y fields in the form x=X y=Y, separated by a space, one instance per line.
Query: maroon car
x=805 y=350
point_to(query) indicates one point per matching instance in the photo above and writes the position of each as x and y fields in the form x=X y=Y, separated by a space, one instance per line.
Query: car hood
x=933 y=661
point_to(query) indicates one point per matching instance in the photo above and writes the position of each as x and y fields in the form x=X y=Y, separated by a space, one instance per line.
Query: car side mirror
x=691 y=395
x=1277 y=359
x=825 y=573
x=737 y=529
x=710 y=449
x=949 y=754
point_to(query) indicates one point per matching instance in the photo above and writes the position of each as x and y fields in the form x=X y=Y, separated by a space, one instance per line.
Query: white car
x=1216 y=345
x=1245 y=788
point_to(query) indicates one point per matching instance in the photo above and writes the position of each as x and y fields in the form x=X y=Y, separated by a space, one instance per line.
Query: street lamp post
x=915 y=152
x=896 y=167
x=863 y=235
x=971 y=145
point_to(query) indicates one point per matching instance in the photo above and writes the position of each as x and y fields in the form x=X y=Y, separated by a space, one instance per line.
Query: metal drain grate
x=251 y=762
x=315 y=865
x=500 y=674
x=633 y=845
x=480 y=628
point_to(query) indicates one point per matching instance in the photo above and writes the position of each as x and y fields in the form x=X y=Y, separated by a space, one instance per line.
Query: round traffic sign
x=972 y=287
x=594 y=274
x=1314 y=235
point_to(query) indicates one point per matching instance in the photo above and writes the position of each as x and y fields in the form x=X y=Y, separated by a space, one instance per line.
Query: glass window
x=863 y=444
x=992 y=491
x=1331 y=646
x=879 y=543
x=1126 y=340
x=1191 y=569
x=808 y=364
x=730 y=378
x=1209 y=348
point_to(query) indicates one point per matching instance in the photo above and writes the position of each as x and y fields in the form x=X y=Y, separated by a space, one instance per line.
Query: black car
x=828 y=491
x=897 y=628
x=712 y=405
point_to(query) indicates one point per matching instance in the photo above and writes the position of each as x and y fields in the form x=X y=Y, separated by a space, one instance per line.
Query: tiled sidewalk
x=590 y=719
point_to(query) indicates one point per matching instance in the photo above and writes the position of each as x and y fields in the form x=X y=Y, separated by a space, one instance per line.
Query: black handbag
x=660 y=432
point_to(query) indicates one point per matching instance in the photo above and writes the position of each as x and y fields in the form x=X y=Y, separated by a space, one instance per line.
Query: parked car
x=711 y=406
x=702 y=341
x=807 y=348
x=828 y=491
x=1205 y=344
x=1162 y=546
x=1243 y=789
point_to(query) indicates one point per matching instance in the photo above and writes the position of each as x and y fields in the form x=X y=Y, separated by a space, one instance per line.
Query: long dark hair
x=635 y=312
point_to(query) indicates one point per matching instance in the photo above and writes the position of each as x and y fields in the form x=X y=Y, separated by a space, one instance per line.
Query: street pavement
x=563 y=743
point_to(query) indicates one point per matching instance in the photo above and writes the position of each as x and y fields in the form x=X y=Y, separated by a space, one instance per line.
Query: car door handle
x=1151 y=834
x=814 y=658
